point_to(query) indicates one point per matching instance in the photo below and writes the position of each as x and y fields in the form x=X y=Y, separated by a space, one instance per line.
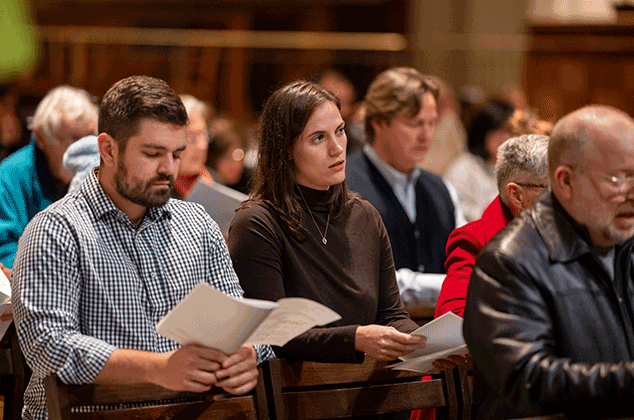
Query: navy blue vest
x=419 y=246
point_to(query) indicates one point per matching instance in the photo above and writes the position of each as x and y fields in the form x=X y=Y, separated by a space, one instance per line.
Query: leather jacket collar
x=565 y=238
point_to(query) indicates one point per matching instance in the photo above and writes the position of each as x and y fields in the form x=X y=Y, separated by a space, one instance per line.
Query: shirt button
x=620 y=300
x=421 y=268
x=417 y=234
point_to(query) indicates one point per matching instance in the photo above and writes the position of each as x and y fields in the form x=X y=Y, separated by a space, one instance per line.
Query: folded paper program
x=444 y=338
x=209 y=317
x=5 y=298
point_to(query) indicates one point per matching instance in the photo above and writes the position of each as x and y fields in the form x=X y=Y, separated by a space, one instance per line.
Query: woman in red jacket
x=522 y=174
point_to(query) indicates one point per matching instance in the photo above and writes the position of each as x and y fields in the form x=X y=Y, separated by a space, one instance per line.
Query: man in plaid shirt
x=98 y=269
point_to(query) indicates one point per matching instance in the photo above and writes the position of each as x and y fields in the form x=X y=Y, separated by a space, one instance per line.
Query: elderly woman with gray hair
x=521 y=171
x=522 y=174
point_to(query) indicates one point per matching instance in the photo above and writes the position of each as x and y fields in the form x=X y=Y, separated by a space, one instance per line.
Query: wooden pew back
x=166 y=404
x=14 y=374
x=310 y=390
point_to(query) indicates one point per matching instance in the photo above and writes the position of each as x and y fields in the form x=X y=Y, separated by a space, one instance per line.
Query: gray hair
x=63 y=101
x=193 y=104
x=522 y=159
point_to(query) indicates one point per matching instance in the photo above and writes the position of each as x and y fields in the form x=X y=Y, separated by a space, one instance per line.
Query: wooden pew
x=310 y=390
x=422 y=314
x=166 y=404
x=14 y=374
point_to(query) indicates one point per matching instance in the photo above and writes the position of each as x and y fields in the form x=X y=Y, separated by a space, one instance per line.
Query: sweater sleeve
x=256 y=246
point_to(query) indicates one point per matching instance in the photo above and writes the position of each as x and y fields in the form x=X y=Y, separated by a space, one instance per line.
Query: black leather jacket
x=548 y=328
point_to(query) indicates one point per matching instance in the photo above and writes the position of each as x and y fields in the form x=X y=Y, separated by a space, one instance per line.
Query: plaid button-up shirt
x=87 y=280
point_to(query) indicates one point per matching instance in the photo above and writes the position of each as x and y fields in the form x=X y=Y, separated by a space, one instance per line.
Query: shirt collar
x=101 y=203
x=391 y=175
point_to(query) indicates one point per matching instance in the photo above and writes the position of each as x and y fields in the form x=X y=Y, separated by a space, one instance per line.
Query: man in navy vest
x=417 y=207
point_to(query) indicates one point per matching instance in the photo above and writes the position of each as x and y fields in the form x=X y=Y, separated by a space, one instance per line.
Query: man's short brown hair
x=135 y=98
x=393 y=91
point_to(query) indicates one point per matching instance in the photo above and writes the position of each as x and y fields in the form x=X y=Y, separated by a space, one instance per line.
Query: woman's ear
x=108 y=149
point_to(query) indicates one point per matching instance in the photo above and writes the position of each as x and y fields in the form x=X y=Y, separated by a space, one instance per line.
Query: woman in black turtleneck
x=302 y=233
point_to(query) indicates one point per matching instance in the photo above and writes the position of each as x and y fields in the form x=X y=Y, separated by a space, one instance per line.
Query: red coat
x=463 y=246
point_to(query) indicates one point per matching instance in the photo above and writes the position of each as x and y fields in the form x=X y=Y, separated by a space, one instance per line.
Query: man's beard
x=140 y=193
x=615 y=235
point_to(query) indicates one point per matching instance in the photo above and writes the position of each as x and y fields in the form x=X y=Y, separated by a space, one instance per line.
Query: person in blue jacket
x=33 y=177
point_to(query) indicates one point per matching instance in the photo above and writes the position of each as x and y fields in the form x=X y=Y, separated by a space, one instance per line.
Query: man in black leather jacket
x=549 y=318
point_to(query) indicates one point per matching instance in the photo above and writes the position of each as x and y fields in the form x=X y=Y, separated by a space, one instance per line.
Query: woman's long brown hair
x=283 y=119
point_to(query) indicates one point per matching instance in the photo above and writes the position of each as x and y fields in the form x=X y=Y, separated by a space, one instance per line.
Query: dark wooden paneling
x=236 y=80
x=571 y=66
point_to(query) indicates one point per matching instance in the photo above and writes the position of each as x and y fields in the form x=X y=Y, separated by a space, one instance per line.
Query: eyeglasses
x=531 y=185
x=611 y=183
x=620 y=183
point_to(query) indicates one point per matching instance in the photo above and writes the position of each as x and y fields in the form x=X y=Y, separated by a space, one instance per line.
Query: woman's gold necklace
x=323 y=237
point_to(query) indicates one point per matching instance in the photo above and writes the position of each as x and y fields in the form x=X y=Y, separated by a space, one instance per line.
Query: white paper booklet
x=5 y=297
x=209 y=317
x=444 y=338
x=220 y=202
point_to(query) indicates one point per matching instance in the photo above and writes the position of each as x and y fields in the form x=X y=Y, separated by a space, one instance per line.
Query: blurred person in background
x=34 y=176
x=471 y=99
x=418 y=208
x=10 y=125
x=450 y=137
x=472 y=173
x=80 y=158
x=225 y=156
x=194 y=157
x=526 y=122
x=337 y=83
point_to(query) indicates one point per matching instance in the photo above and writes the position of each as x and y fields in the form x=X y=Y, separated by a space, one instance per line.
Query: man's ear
x=563 y=181
x=378 y=124
x=39 y=138
x=515 y=193
x=108 y=149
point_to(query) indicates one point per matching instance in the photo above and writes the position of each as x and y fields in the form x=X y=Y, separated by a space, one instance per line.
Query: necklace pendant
x=324 y=240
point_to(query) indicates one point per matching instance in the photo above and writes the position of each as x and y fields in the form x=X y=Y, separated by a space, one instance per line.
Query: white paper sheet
x=209 y=317
x=291 y=318
x=5 y=297
x=218 y=200
x=444 y=338
x=423 y=364
x=5 y=288
x=442 y=334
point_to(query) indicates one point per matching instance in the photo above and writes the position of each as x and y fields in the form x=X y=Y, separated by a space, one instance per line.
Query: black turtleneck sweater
x=353 y=273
